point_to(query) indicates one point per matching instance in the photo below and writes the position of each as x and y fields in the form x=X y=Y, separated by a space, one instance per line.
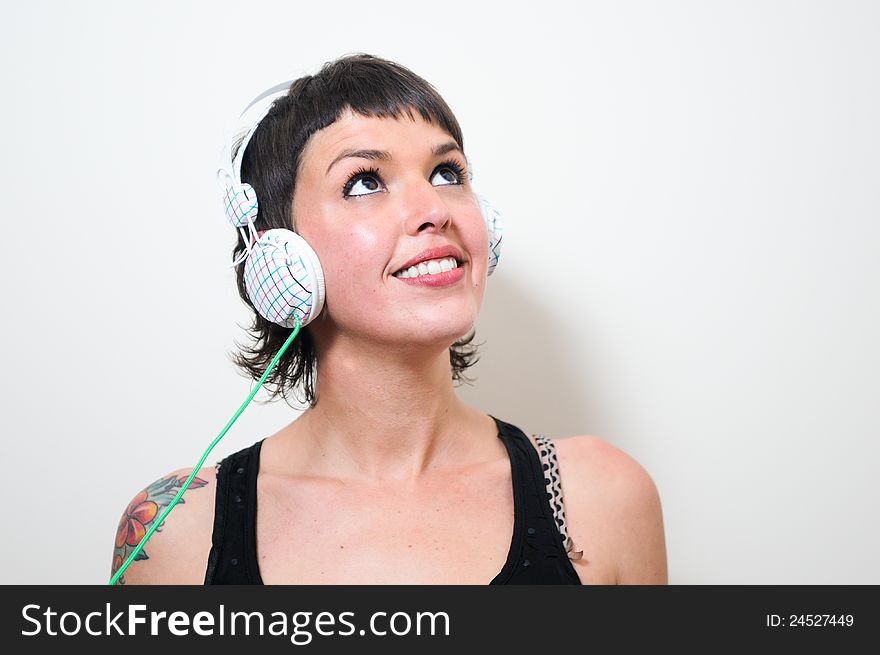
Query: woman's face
x=366 y=214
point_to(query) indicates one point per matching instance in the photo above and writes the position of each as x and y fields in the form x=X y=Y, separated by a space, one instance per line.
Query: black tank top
x=538 y=551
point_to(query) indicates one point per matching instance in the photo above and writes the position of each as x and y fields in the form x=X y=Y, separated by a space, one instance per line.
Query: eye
x=364 y=182
x=450 y=172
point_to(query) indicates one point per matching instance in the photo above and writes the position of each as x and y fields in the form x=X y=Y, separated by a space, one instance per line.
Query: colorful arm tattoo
x=140 y=514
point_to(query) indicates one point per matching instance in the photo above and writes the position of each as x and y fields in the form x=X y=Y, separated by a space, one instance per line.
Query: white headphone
x=282 y=274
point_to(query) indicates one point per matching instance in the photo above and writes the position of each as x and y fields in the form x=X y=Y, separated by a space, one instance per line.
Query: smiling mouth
x=429 y=267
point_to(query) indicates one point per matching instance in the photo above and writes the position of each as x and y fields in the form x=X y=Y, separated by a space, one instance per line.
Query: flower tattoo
x=142 y=512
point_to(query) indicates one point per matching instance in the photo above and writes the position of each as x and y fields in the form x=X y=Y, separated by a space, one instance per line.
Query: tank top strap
x=537 y=554
x=232 y=559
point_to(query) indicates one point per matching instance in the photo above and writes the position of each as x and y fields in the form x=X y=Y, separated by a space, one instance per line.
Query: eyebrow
x=384 y=155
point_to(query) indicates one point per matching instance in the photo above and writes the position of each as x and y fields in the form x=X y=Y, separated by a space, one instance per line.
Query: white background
x=691 y=193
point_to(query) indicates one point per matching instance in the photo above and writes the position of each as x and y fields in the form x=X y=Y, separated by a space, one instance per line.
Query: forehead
x=353 y=130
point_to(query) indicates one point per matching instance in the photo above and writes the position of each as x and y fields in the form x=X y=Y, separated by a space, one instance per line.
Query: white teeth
x=431 y=267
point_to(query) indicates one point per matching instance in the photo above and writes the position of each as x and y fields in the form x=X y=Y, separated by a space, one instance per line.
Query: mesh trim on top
x=550 y=466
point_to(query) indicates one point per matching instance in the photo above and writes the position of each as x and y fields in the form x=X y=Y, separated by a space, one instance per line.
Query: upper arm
x=175 y=551
x=641 y=543
x=614 y=511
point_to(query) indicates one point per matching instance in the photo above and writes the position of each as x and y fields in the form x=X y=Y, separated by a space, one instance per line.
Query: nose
x=423 y=209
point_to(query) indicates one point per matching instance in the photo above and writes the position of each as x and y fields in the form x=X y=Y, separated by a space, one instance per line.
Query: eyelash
x=457 y=168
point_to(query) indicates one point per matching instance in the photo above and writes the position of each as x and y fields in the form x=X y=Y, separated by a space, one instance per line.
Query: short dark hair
x=370 y=86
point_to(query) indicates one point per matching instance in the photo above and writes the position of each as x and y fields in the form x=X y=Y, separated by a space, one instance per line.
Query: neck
x=384 y=413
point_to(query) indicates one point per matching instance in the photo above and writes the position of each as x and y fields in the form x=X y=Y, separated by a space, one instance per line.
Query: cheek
x=353 y=257
x=478 y=240
x=363 y=239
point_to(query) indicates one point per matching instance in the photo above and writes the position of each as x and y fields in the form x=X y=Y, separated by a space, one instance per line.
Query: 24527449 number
x=808 y=620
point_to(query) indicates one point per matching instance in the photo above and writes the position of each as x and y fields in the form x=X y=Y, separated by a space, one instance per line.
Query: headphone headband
x=277 y=90
x=239 y=199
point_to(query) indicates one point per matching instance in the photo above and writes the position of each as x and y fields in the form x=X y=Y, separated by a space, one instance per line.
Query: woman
x=388 y=477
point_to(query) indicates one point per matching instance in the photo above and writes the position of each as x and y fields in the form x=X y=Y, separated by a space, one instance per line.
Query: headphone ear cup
x=283 y=277
x=239 y=200
x=495 y=228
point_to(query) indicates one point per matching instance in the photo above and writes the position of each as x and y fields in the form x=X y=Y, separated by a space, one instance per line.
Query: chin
x=440 y=330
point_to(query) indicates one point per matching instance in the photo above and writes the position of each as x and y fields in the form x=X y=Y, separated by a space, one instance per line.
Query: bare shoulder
x=177 y=552
x=613 y=510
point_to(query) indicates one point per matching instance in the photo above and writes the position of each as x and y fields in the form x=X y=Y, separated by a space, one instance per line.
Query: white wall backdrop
x=690 y=271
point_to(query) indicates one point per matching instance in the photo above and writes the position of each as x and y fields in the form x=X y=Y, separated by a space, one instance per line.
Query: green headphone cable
x=161 y=518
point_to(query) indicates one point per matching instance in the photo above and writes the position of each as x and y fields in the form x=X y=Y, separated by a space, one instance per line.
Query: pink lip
x=434 y=253
x=437 y=279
